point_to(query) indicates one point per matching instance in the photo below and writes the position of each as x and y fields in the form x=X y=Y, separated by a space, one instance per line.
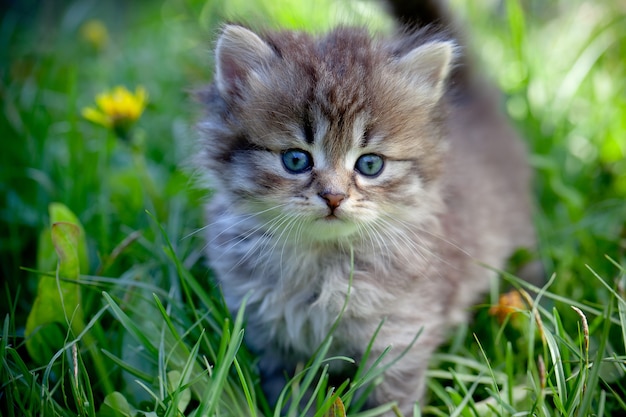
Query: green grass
x=152 y=336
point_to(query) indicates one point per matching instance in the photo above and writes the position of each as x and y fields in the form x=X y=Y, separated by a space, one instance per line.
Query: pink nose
x=333 y=200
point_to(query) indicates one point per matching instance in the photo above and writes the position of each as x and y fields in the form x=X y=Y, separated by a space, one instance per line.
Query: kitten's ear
x=428 y=65
x=239 y=53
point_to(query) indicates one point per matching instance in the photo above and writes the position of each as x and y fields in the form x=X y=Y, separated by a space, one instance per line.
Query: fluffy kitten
x=390 y=151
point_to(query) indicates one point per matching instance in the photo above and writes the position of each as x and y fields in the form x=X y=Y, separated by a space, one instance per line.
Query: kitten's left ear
x=239 y=53
x=428 y=65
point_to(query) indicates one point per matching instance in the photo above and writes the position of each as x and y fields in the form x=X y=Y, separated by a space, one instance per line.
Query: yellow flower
x=95 y=33
x=117 y=109
x=508 y=304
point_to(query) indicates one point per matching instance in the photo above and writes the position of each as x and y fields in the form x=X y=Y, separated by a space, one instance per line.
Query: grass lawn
x=106 y=306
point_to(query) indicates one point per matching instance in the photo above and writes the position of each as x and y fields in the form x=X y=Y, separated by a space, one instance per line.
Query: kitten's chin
x=330 y=228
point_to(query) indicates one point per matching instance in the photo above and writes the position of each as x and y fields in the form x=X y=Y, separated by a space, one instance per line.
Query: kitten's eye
x=370 y=165
x=297 y=161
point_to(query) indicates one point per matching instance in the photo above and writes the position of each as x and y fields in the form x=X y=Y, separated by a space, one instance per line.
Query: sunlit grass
x=152 y=334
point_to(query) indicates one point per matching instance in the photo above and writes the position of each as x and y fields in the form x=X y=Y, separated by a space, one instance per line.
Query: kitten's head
x=325 y=136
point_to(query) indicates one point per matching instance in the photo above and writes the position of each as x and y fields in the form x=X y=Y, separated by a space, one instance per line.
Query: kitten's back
x=487 y=176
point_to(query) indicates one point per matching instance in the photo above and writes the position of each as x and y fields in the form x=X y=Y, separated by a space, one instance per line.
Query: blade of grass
x=187 y=373
x=557 y=365
x=130 y=325
x=127 y=367
x=594 y=374
x=209 y=403
x=245 y=383
x=307 y=376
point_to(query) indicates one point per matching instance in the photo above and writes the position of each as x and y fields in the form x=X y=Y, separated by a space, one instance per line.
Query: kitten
x=382 y=159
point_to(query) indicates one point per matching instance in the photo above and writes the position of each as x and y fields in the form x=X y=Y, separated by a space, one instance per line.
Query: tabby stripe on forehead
x=309 y=134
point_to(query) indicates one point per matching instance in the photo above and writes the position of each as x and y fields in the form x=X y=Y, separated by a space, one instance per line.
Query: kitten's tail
x=435 y=14
x=418 y=13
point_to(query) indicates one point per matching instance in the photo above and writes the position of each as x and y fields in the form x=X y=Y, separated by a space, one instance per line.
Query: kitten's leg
x=405 y=381
x=273 y=371
x=403 y=386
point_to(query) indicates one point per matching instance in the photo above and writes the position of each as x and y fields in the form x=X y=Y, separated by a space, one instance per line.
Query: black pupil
x=297 y=160
x=370 y=164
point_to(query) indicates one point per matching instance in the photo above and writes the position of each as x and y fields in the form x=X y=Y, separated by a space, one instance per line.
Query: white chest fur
x=294 y=303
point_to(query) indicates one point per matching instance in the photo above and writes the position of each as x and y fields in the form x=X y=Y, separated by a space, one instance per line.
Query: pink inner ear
x=230 y=74
x=238 y=52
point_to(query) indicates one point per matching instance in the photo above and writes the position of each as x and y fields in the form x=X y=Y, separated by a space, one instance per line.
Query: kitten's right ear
x=428 y=65
x=240 y=53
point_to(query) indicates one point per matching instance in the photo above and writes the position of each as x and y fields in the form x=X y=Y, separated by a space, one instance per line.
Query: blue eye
x=370 y=165
x=297 y=161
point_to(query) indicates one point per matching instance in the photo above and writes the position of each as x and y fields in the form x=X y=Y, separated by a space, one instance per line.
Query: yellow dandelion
x=509 y=303
x=117 y=109
x=95 y=33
